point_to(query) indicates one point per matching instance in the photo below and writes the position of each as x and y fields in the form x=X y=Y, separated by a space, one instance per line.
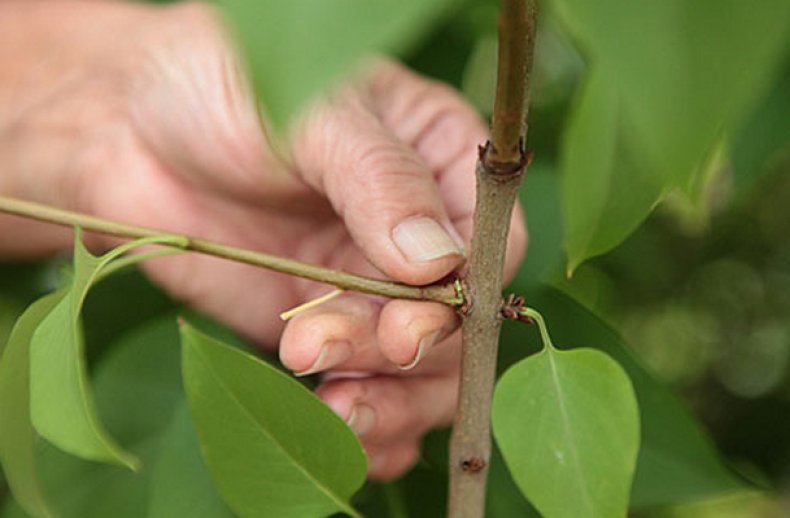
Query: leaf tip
x=133 y=463
x=571 y=268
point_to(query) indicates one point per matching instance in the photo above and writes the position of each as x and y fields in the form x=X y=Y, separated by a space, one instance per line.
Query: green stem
x=128 y=260
x=538 y=318
x=445 y=293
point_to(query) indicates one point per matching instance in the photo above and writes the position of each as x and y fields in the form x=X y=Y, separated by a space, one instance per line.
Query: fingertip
x=408 y=330
x=325 y=337
x=391 y=461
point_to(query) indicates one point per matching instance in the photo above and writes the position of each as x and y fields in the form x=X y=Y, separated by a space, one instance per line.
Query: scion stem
x=444 y=293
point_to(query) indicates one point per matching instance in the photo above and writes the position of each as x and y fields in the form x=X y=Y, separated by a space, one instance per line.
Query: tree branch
x=514 y=71
x=499 y=171
x=444 y=293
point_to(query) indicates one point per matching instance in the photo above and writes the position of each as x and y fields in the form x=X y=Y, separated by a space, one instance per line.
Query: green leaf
x=180 y=482
x=666 y=79
x=296 y=48
x=17 y=436
x=539 y=195
x=504 y=499
x=606 y=189
x=567 y=423
x=271 y=446
x=764 y=136
x=137 y=390
x=61 y=402
x=677 y=462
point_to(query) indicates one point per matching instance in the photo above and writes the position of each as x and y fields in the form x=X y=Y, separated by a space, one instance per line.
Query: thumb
x=384 y=192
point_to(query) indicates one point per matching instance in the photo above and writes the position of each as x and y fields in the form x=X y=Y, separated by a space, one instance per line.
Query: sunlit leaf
x=652 y=109
x=17 y=436
x=567 y=423
x=271 y=446
x=298 y=47
x=137 y=387
x=61 y=402
x=677 y=462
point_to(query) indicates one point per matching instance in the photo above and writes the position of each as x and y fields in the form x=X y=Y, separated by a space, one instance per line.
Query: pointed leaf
x=138 y=391
x=62 y=406
x=298 y=47
x=567 y=423
x=677 y=461
x=272 y=447
x=659 y=94
x=607 y=189
x=17 y=436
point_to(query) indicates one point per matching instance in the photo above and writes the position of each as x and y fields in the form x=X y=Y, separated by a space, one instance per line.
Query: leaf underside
x=567 y=423
x=271 y=446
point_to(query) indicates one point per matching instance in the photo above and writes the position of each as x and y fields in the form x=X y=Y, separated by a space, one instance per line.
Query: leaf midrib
x=345 y=507
x=567 y=428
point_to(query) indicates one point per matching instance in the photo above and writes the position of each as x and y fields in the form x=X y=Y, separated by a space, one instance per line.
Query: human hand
x=157 y=128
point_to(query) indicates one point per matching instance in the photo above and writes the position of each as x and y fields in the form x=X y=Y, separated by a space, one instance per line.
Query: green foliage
x=139 y=397
x=17 y=436
x=665 y=80
x=180 y=483
x=764 y=136
x=567 y=423
x=296 y=48
x=676 y=462
x=272 y=447
x=61 y=403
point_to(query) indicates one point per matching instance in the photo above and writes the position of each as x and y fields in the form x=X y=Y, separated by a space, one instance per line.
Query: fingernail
x=330 y=355
x=362 y=419
x=423 y=239
x=425 y=343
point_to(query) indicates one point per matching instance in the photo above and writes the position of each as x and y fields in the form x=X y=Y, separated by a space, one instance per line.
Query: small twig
x=444 y=293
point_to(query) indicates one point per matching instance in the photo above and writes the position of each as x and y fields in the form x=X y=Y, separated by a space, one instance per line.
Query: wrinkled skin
x=141 y=114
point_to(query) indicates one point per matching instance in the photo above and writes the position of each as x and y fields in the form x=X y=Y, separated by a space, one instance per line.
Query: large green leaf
x=298 y=47
x=607 y=188
x=271 y=446
x=676 y=462
x=17 y=436
x=504 y=499
x=180 y=482
x=61 y=402
x=665 y=80
x=567 y=423
x=137 y=387
x=139 y=397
